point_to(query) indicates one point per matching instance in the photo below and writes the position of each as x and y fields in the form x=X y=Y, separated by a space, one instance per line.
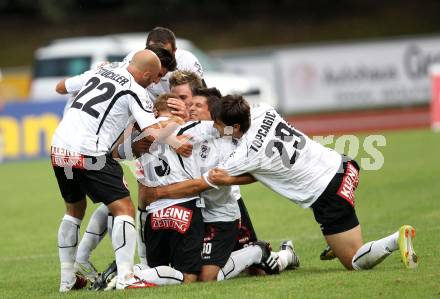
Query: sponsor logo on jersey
x=349 y=183
x=175 y=217
x=64 y=158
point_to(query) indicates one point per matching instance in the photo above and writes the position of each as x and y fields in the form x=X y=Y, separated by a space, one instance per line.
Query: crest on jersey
x=148 y=105
x=204 y=150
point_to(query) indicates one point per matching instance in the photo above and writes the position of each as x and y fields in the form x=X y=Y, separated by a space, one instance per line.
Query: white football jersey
x=220 y=204
x=163 y=166
x=105 y=100
x=186 y=61
x=283 y=158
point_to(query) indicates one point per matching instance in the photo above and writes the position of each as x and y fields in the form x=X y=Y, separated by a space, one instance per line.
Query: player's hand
x=178 y=108
x=147 y=195
x=184 y=148
x=141 y=146
x=219 y=177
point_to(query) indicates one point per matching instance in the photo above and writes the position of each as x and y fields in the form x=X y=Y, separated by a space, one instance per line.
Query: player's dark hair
x=166 y=58
x=161 y=36
x=212 y=95
x=233 y=109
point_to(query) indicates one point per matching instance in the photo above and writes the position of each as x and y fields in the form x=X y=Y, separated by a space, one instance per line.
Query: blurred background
x=331 y=66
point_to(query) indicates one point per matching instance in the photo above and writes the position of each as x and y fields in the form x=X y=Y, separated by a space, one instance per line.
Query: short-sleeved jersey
x=283 y=158
x=105 y=100
x=220 y=204
x=186 y=61
x=163 y=166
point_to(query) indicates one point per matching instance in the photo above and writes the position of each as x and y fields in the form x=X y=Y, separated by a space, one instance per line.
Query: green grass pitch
x=405 y=191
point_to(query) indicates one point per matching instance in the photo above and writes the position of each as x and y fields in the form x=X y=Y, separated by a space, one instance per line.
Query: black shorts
x=334 y=209
x=174 y=236
x=104 y=185
x=246 y=232
x=219 y=242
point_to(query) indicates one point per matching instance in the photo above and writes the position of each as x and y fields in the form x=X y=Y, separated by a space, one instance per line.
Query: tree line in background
x=65 y=10
x=223 y=24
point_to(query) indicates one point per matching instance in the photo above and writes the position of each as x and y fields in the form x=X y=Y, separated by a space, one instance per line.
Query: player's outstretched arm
x=178 y=190
x=163 y=132
x=220 y=177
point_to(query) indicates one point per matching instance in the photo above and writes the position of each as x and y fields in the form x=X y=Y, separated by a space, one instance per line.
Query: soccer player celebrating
x=186 y=61
x=311 y=175
x=82 y=164
x=221 y=211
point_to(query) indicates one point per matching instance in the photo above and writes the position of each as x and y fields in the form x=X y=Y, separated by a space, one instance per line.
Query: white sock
x=95 y=231
x=141 y=217
x=285 y=258
x=372 y=253
x=162 y=275
x=68 y=236
x=124 y=243
x=239 y=261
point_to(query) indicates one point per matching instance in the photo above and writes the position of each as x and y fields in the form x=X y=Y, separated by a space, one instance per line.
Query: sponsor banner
x=347 y=75
x=26 y=129
x=175 y=217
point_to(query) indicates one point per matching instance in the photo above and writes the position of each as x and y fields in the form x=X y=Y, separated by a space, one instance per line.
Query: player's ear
x=236 y=130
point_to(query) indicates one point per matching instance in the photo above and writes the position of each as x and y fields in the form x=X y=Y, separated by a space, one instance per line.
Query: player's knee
x=122 y=206
x=345 y=256
x=76 y=209
x=208 y=276
x=189 y=278
x=209 y=273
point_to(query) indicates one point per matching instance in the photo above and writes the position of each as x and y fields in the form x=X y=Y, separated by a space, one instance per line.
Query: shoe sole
x=409 y=257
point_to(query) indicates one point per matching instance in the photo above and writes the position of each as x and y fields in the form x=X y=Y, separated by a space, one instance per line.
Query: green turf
x=404 y=191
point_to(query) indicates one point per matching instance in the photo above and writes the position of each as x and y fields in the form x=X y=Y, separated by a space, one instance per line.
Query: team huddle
x=193 y=147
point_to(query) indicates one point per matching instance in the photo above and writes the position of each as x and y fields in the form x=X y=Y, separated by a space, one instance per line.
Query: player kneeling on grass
x=220 y=211
x=311 y=175
x=82 y=162
x=173 y=230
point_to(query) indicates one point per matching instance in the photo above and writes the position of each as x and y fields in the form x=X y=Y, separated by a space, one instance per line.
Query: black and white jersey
x=163 y=166
x=186 y=61
x=106 y=99
x=220 y=204
x=283 y=158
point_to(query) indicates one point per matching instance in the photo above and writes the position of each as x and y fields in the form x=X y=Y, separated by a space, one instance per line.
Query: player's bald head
x=145 y=67
x=145 y=60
